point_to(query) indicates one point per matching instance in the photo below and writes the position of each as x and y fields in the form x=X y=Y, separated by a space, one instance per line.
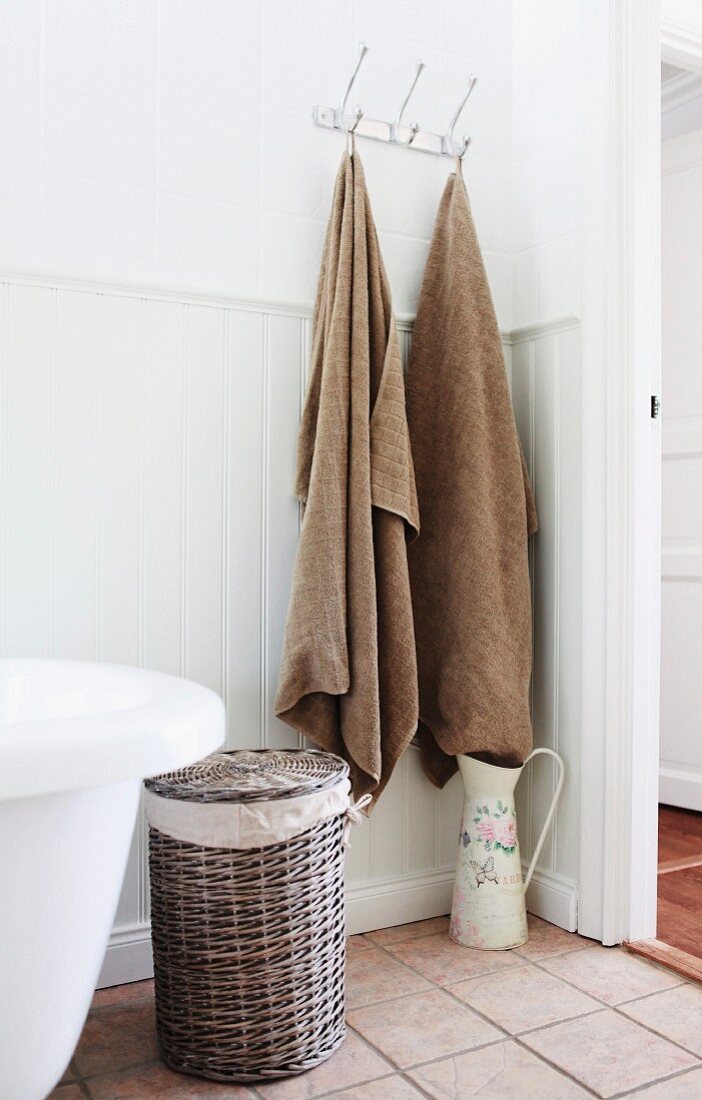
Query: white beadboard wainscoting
x=147 y=518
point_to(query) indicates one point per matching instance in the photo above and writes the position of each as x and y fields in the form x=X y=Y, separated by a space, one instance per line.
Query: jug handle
x=552 y=808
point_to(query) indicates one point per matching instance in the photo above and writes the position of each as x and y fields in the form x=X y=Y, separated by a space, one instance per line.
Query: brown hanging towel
x=348 y=675
x=469 y=570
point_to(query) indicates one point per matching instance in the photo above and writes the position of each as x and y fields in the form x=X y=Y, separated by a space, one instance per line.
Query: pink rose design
x=486 y=830
x=507 y=832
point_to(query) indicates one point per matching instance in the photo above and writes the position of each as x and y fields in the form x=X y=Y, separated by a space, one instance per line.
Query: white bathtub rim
x=178 y=723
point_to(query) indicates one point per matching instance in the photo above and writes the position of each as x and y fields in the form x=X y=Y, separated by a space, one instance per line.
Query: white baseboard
x=553 y=898
x=678 y=786
x=128 y=956
x=398 y=901
x=371 y=906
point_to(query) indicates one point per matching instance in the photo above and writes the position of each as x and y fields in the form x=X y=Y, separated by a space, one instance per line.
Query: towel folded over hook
x=469 y=571
x=348 y=675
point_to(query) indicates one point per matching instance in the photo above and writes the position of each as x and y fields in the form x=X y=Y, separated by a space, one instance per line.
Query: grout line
x=616 y=1008
x=602 y=1006
x=639 y=1089
x=430 y=1061
x=503 y=1035
x=655 y=993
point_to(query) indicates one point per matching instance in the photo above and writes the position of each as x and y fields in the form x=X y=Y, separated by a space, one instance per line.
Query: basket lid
x=252 y=775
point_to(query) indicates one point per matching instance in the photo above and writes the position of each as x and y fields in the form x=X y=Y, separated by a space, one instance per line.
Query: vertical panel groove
x=4 y=460
x=226 y=433
x=185 y=395
x=556 y=578
x=532 y=560
x=142 y=489
x=98 y=494
x=304 y=365
x=52 y=474
x=265 y=366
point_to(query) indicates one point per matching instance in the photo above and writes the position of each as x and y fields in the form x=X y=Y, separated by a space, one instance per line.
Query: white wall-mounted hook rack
x=394 y=133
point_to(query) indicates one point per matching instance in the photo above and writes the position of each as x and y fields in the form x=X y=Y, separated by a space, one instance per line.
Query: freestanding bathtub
x=76 y=740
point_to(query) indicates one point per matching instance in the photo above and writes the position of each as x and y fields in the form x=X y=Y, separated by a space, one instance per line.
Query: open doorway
x=679 y=884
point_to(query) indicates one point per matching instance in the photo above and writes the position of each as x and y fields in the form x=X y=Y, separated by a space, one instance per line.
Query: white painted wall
x=681 y=647
x=681 y=106
x=173 y=141
x=161 y=166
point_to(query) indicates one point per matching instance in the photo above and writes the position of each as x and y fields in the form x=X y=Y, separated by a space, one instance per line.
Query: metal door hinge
x=655 y=406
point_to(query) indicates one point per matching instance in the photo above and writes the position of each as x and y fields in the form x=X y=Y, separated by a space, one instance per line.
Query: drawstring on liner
x=354 y=816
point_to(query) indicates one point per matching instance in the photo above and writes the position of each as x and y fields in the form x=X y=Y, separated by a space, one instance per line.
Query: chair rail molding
x=681 y=33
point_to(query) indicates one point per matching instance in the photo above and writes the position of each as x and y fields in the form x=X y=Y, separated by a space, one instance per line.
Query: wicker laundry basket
x=248 y=942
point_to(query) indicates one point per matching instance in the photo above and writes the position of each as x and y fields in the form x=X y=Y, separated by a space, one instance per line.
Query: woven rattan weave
x=249 y=946
x=252 y=775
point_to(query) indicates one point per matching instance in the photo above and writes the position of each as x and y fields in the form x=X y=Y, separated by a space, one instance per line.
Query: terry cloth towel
x=348 y=675
x=469 y=571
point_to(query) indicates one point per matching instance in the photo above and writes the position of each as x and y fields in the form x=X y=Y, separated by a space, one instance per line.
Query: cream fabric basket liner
x=250 y=824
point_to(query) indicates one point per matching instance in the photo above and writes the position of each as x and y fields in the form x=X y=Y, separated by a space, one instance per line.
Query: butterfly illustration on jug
x=484 y=872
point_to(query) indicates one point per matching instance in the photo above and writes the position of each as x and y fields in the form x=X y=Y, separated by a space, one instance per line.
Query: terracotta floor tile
x=123 y=994
x=494 y=1073
x=373 y=975
x=421 y=1027
x=676 y=1014
x=352 y=1064
x=117 y=1037
x=608 y=1053
x=523 y=998
x=389 y=1088
x=155 y=1081
x=686 y=1086
x=411 y=931
x=69 y=1075
x=357 y=944
x=442 y=961
x=70 y=1091
x=610 y=974
x=547 y=939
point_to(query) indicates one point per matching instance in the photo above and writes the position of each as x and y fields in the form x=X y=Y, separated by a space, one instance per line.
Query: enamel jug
x=489 y=908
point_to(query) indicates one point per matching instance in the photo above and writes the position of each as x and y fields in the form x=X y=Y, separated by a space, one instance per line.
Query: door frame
x=624 y=41
x=621 y=472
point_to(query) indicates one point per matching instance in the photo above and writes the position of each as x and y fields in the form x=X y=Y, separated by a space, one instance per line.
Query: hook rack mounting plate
x=377 y=130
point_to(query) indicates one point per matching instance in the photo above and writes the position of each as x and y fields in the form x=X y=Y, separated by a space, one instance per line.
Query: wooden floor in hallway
x=680 y=879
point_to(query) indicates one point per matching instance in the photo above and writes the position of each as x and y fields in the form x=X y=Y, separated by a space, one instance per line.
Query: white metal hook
x=448 y=139
x=357 y=116
x=339 y=120
x=414 y=126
